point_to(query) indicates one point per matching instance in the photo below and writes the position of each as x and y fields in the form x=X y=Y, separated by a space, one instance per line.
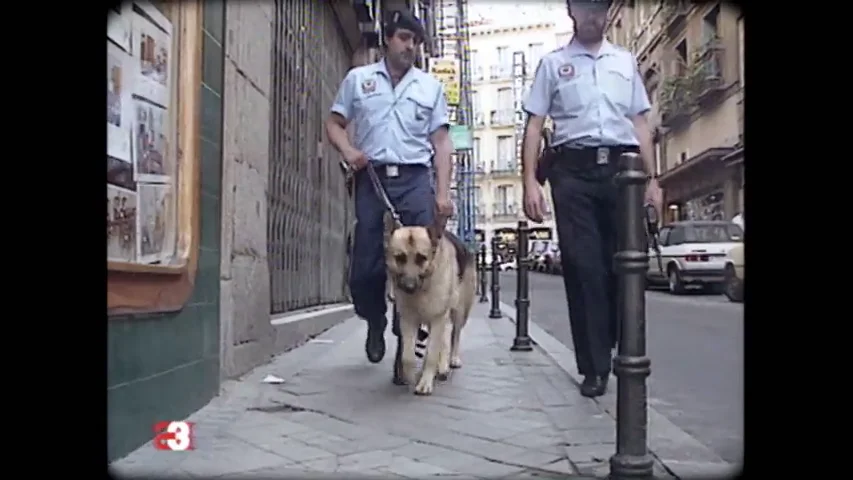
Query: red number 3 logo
x=177 y=437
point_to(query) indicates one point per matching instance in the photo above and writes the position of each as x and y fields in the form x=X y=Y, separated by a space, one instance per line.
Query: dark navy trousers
x=587 y=222
x=413 y=197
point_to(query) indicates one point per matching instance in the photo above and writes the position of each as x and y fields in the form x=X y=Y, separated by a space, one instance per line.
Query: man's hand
x=443 y=205
x=654 y=195
x=356 y=159
x=534 y=201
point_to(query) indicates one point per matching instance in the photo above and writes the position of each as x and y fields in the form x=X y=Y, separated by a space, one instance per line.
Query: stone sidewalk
x=503 y=414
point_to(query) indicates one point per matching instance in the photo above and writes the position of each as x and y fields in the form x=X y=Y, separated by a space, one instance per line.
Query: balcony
x=480 y=213
x=479 y=120
x=674 y=15
x=479 y=168
x=708 y=72
x=500 y=72
x=477 y=75
x=503 y=168
x=676 y=102
x=502 y=118
x=504 y=212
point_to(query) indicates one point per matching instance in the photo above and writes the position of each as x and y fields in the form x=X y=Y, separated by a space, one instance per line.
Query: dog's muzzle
x=408 y=284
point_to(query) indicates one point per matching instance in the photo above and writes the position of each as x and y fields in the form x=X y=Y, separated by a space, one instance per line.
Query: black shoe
x=374 y=346
x=594 y=386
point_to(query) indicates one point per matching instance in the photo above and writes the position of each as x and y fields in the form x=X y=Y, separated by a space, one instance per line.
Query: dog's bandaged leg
x=426 y=384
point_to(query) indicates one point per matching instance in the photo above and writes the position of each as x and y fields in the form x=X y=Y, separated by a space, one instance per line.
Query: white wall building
x=498 y=29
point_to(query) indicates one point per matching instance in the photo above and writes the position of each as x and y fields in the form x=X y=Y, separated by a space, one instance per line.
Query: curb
x=681 y=453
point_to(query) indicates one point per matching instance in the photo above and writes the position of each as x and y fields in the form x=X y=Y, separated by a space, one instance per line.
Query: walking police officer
x=401 y=123
x=595 y=96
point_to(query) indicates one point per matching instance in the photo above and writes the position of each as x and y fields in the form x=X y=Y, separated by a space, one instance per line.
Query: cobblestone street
x=504 y=414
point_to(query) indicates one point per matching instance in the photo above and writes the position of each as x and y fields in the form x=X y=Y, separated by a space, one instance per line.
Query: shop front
x=163 y=214
x=697 y=188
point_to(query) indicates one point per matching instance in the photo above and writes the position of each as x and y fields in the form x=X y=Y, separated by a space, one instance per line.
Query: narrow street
x=696 y=346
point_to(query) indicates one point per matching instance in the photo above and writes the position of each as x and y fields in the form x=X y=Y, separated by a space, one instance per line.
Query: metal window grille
x=310 y=213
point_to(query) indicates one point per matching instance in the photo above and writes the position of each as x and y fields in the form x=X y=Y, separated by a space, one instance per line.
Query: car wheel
x=733 y=287
x=676 y=287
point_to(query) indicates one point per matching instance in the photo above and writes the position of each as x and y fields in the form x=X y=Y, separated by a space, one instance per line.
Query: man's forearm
x=530 y=152
x=339 y=137
x=442 y=168
x=647 y=149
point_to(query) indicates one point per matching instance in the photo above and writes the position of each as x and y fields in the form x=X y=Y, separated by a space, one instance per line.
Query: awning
x=714 y=153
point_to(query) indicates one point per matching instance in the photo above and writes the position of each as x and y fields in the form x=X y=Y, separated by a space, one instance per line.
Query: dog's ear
x=389 y=225
x=436 y=230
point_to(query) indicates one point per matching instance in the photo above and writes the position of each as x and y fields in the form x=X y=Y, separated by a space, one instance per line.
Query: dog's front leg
x=444 y=355
x=436 y=344
x=408 y=360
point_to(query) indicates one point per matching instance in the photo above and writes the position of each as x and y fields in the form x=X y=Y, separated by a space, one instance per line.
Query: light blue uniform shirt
x=392 y=125
x=591 y=99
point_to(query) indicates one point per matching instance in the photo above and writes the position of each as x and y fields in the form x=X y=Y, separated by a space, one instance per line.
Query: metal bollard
x=495 y=311
x=521 y=342
x=631 y=366
x=483 y=281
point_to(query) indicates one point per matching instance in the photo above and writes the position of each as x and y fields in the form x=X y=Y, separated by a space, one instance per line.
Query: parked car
x=508 y=266
x=734 y=274
x=693 y=253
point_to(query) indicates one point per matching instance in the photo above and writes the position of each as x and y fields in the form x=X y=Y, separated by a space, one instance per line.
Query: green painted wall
x=164 y=367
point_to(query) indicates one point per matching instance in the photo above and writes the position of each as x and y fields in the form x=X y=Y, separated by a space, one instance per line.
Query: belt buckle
x=392 y=171
x=602 y=156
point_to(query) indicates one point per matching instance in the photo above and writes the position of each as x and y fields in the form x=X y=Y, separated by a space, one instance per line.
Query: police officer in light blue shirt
x=595 y=96
x=401 y=127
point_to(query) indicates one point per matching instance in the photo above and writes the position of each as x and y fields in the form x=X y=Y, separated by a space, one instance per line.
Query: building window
x=145 y=132
x=680 y=62
x=476 y=107
x=505 y=151
x=477 y=162
x=710 y=25
x=535 y=52
x=658 y=159
x=505 y=200
x=504 y=62
x=741 y=39
x=476 y=68
x=505 y=99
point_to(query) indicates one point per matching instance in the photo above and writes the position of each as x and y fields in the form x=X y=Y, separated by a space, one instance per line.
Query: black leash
x=377 y=186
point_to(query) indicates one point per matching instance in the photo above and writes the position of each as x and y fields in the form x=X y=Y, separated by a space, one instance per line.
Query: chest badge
x=567 y=71
x=368 y=86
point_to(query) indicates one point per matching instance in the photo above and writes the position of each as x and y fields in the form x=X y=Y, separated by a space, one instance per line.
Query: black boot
x=594 y=385
x=374 y=346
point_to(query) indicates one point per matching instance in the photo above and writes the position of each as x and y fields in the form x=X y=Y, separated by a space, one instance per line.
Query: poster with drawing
x=152 y=53
x=150 y=144
x=121 y=224
x=118 y=103
x=118 y=25
x=154 y=202
x=120 y=174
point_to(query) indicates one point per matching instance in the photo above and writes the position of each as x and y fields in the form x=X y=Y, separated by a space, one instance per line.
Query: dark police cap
x=403 y=19
x=590 y=3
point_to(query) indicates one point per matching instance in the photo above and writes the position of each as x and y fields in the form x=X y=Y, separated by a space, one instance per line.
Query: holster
x=546 y=158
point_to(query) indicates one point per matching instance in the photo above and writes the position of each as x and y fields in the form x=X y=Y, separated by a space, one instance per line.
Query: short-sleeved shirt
x=392 y=124
x=590 y=98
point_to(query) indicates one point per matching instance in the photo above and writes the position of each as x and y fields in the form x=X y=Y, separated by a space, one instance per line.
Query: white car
x=693 y=253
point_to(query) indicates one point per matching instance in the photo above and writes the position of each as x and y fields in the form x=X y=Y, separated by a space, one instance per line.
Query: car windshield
x=539 y=247
x=713 y=233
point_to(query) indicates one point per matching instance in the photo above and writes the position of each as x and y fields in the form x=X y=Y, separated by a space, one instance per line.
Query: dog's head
x=410 y=253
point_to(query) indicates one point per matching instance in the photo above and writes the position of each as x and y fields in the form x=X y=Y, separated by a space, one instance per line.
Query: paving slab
x=502 y=415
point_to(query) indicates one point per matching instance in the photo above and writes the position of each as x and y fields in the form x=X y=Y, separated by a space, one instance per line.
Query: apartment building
x=498 y=183
x=691 y=59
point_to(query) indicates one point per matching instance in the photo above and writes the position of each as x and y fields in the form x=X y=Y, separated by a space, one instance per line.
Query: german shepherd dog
x=432 y=279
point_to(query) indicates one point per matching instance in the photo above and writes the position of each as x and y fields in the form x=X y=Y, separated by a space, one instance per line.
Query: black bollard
x=631 y=366
x=521 y=342
x=495 y=311
x=483 y=281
